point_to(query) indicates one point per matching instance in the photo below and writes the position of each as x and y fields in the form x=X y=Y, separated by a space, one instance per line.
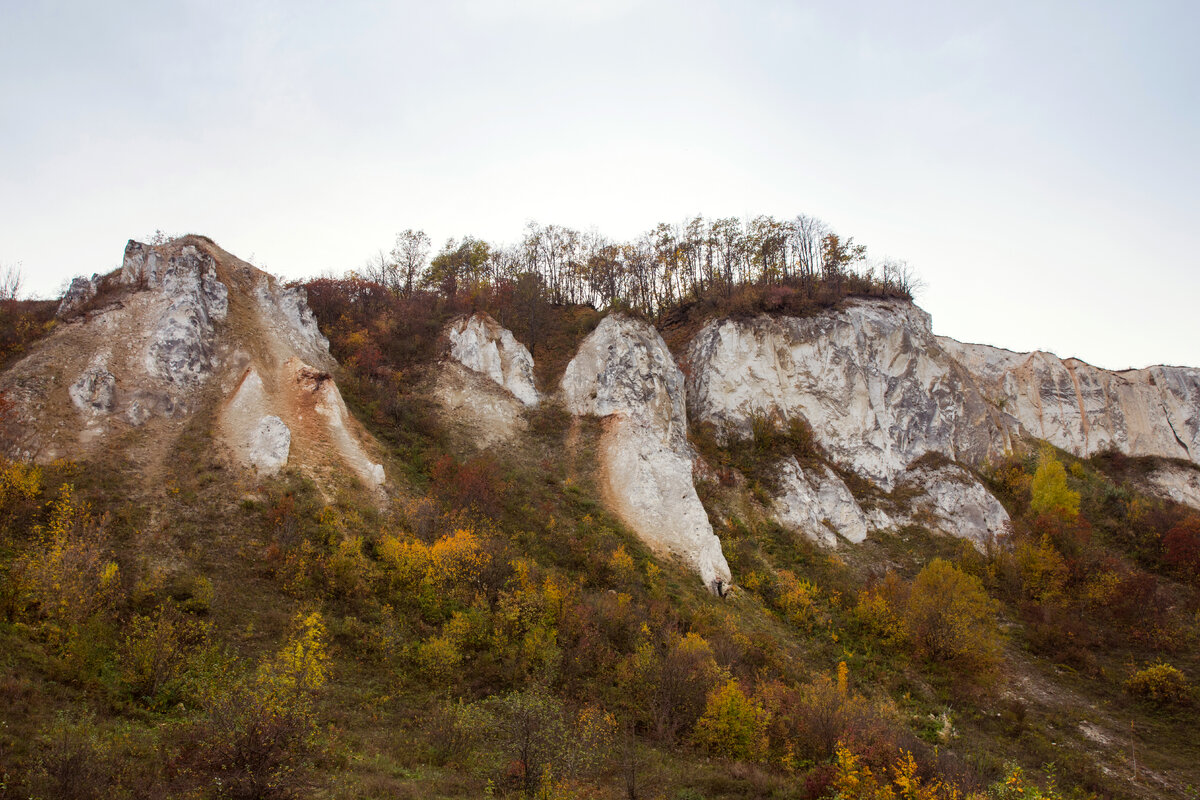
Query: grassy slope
x=379 y=715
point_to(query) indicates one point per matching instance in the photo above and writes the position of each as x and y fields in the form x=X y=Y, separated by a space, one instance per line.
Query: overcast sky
x=1035 y=162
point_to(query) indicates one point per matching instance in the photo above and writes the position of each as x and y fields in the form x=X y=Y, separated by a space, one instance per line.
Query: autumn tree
x=733 y=725
x=951 y=618
x=1050 y=494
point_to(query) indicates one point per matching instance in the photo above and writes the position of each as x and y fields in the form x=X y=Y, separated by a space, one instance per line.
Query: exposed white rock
x=954 y=502
x=624 y=367
x=818 y=504
x=623 y=371
x=270 y=445
x=482 y=412
x=182 y=348
x=79 y=292
x=319 y=392
x=285 y=309
x=1177 y=482
x=139 y=267
x=480 y=343
x=870 y=378
x=1084 y=409
x=94 y=392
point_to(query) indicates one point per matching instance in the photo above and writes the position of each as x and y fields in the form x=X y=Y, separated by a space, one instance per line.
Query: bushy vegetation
x=490 y=630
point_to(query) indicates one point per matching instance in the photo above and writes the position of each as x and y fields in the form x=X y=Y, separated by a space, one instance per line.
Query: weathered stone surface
x=480 y=343
x=479 y=412
x=954 y=502
x=270 y=445
x=94 y=391
x=1086 y=410
x=79 y=292
x=182 y=348
x=1177 y=482
x=624 y=372
x=285 y=310
x=871 y=379
x=624 y=367
x=317 y=391
x=818 y=504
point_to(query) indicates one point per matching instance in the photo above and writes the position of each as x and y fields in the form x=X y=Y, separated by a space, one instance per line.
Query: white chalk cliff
x=481 y=344
x=817 y=503
x=623 y=372
x=880 y=391
x=486 y=383
x=1086 y=410
x=871 y=379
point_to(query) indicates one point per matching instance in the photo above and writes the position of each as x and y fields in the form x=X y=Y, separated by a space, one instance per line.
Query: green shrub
x=1160 y=683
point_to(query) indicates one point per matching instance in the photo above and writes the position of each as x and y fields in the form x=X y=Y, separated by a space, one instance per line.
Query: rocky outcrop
x=871 y=379
x=481 y=344
x=270 y=444
x=624 y=373
x=952 y=501
x=480 y=413
x=1177 y=482
x=1086 y=410
x=182 y=347
x=817 y=503
x=189 y=327
x=284 y=310
x=78 y=293
x=317 y=392
x=94 y=391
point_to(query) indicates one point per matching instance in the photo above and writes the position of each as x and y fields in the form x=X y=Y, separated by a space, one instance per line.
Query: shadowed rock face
x=817 y=503
x=871 y=379
x=954 y=502
x=624 y=372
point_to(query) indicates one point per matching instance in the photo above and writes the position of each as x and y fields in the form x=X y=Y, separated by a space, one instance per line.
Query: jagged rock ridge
x=624 y=373
x=178 y=328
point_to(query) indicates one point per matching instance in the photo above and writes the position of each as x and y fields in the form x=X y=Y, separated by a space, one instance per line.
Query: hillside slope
x=209 y=590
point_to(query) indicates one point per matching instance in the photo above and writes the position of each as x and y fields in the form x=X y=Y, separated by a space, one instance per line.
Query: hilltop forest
x=487 y=627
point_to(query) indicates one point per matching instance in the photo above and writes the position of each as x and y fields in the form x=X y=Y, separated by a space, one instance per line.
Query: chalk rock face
x=270 y=444
x=1085 y=409
x=480 y=343
x=818 y=504
x=189 y=327
x=871 y=379
x=317 y=391
x=624 y=372
x=624 y=367
x=182 y=349
x=954 y=502
x=79 y=292
x=94 y=391
x=285 y=309
x=482 y=413
x=1176 y=482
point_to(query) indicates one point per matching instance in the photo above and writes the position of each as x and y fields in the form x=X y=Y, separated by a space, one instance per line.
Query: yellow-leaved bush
x=1049 y=493
x=447 y=570
x=733 y=725
x=856 y=781
x=70 y=575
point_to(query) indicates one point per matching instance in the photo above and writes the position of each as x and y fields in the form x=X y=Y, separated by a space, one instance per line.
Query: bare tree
x=409 y=257
x=10 y=282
